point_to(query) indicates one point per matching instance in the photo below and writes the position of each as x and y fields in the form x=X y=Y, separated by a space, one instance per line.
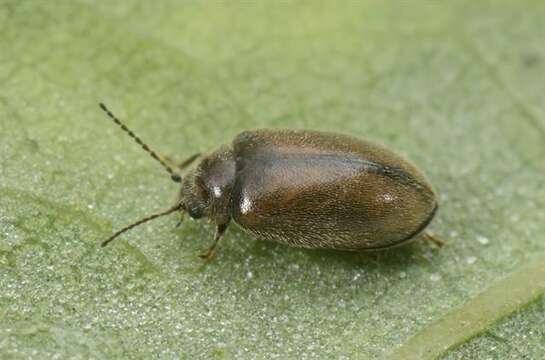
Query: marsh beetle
x=303 y=188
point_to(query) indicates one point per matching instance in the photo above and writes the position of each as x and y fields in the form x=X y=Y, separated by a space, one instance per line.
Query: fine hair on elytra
x=173 y=175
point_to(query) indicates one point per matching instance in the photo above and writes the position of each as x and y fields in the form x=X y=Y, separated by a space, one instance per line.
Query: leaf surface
x=456 y=87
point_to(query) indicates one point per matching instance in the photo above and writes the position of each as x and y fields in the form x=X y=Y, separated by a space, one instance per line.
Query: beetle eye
x=194 y=213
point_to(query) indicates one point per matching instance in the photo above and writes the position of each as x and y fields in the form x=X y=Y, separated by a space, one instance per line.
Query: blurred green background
x=457 y=87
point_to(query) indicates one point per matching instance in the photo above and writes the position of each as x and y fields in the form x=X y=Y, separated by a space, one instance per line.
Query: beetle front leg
x=181 y=166
x=220 y=230
x=184 y=164
x=182 y=216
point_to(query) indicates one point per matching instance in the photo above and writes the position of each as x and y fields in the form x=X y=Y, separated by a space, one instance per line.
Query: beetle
x=303 y=188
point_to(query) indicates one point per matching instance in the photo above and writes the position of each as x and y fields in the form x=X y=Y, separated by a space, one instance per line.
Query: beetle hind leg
x=428 y=237
x=209 y=255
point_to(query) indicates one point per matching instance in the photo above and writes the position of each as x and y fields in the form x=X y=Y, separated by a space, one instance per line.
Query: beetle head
x=206 y=189
x=194 y=195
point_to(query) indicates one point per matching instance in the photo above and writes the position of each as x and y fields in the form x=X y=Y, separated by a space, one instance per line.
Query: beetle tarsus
x=182 y=213
x=434 y=240
x=209 y=255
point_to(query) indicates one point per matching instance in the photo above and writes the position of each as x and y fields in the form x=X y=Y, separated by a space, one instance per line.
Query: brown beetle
x=307 y=189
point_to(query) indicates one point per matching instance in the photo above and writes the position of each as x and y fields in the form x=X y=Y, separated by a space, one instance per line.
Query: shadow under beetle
x=303 y=188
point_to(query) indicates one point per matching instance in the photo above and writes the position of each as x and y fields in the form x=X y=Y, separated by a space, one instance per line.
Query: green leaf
x=456 y=87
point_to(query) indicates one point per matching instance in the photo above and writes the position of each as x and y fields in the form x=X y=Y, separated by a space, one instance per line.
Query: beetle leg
x=181 y=166
x=188 y=161
x=182 y=213
x=168 y=160
x=220 y=230
x=433 y=239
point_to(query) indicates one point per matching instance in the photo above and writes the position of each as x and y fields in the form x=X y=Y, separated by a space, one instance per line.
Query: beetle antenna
x=142 y=221
x=174 y=176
